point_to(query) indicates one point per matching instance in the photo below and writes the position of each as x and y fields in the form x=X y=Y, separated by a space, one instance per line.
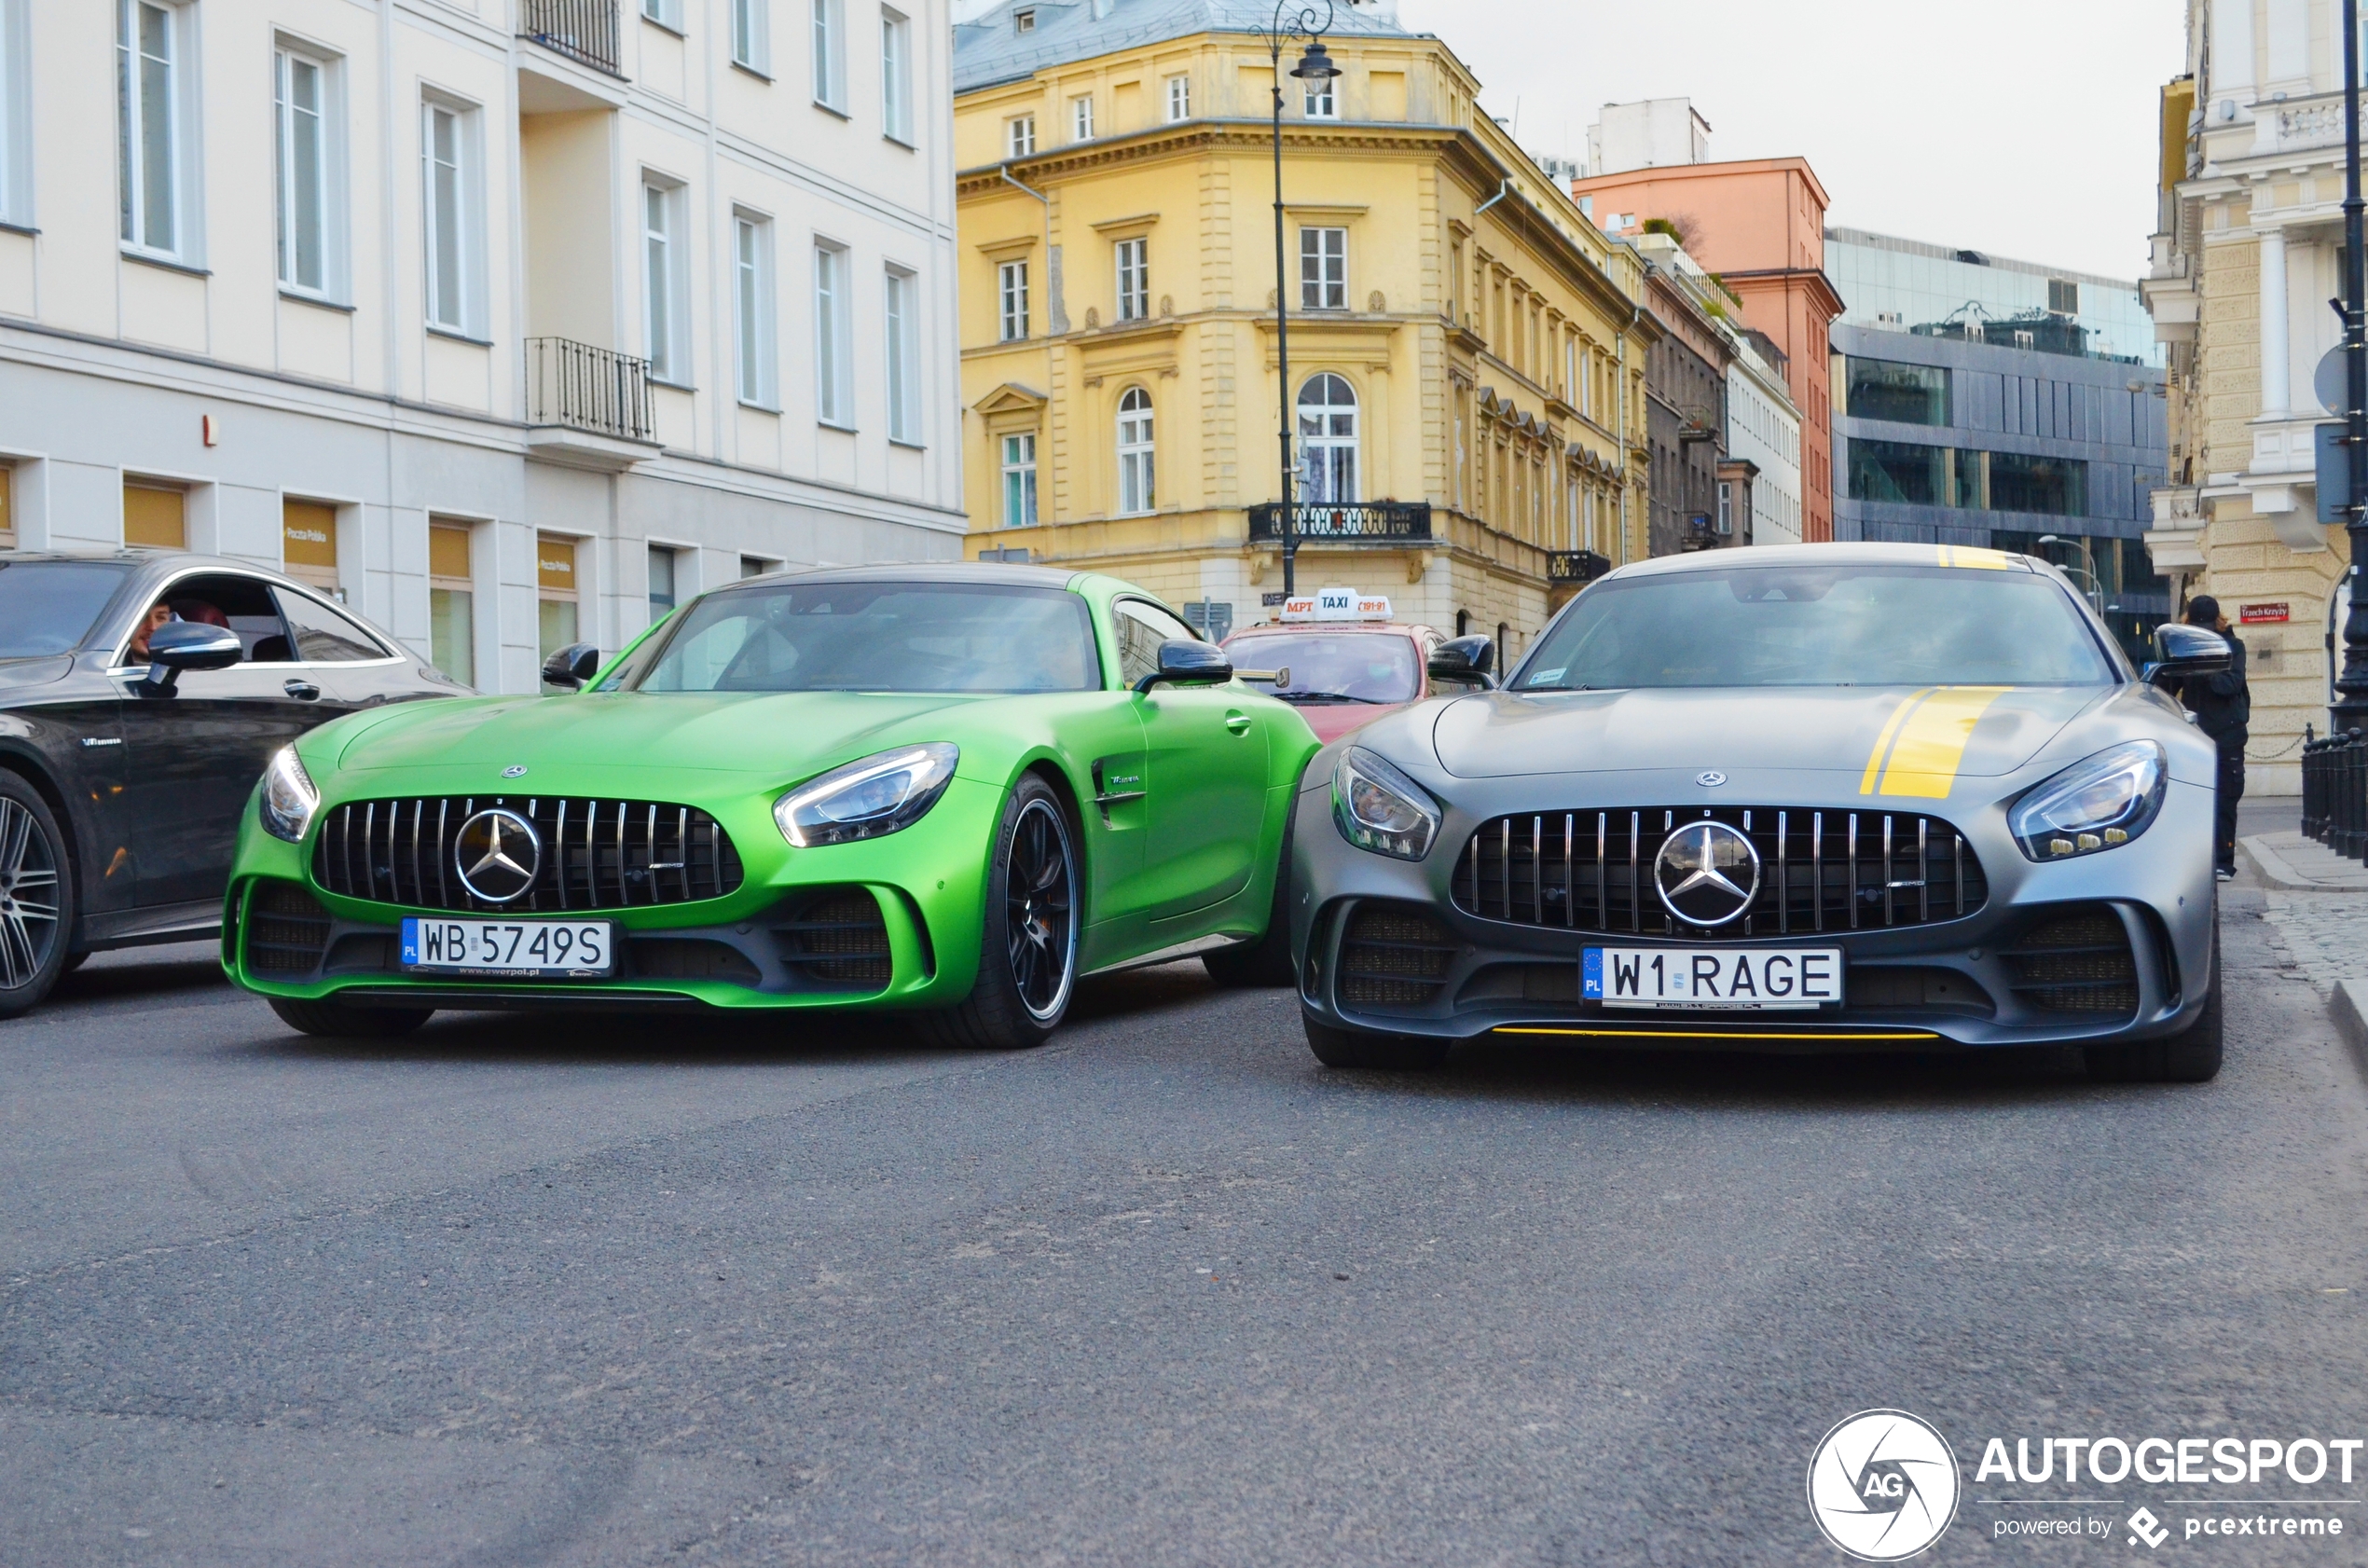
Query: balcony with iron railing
x=1367 y=522
x=586 y=407
x=585 y=30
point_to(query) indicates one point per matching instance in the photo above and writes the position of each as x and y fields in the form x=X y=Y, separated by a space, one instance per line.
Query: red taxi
x=1347 y=662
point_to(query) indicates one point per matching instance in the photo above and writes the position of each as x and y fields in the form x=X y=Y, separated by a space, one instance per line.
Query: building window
x=8 y=506
x=834 y=391
x=1909 y=394
x=451 y=602
x=448 y=152
x=305 y=167
x=1328 y=441
x=1323 y=268
x=756 y=354
x=1179 y=99
x=150 y=42
x=755 y=566
x=902 y=311
x=1024 y=21
x=663 y=274
x=1010 y=290
x=1137 y=489
x=1019 y=137
x=2057 y=486
x=666 y=13
x=16 y=115
x=555 y=591
x=1320 y=103
x=662 y=599
x=1082 y=119
x=1134 y=280
x=1727 y=506
x=155 y=516
x=749 y=35
x=308 y=545
x=827 y=72
x=896 y=77
x=1019 y=481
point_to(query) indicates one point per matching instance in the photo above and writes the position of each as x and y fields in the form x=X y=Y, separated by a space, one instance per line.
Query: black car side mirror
x=2182 y=650
x=1464 y=658
x=179 y=645
x=572 y=665
x=1180 y=660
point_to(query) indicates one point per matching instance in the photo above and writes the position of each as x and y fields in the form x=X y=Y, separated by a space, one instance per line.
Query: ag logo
x=1882 y=1485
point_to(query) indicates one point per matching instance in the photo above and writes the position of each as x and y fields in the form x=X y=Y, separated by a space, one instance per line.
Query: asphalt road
x=1165 y=1292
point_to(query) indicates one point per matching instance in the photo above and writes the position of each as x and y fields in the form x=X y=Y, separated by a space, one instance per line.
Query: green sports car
x=942 y=790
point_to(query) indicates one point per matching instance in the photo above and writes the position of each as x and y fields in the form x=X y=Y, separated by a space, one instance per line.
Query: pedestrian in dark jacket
x=2222 y=705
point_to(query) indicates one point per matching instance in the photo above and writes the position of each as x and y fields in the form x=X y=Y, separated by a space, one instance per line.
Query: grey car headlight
x=880 y=795
x=2100 y=803
x=1380 y=809
x=289 y=799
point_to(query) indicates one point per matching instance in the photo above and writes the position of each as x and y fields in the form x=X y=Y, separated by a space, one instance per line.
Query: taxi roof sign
x=1337 y=604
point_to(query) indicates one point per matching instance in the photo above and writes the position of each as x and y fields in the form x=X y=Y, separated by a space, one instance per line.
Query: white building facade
x=1763 y=428
x=2248 y=251
x=512 y=321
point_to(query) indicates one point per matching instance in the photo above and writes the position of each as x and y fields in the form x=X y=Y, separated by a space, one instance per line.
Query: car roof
x=927 y=572
x=1855 y=554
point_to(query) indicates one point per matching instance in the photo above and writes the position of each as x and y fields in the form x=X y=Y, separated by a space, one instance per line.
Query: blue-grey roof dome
x=991 y=48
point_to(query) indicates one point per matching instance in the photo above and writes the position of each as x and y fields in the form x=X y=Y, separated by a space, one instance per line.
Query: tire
x=2190 y=1057
x=1028 y=953
x=73 y=962
x=336 y=1021
x=1356 y=1051
x=1267 y=961
x=37 y=896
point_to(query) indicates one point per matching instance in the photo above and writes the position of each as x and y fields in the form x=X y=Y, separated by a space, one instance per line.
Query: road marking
x=1922 y=746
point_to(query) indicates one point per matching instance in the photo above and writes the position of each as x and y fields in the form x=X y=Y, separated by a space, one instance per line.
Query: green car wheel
x=1027 y=960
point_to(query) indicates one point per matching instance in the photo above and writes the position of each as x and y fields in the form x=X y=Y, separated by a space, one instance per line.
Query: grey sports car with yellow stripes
x=1879 y=797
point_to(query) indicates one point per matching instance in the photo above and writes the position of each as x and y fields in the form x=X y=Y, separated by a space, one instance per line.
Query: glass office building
x=1993 y=403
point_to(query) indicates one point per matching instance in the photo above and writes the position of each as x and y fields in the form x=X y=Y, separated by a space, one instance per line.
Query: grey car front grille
x=1821 y=871
x=596 y=854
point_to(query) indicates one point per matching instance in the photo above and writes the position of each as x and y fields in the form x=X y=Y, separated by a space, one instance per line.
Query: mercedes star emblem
x=1709 y=780
x=497 y=854
x=516 y=770
x=1706 y=873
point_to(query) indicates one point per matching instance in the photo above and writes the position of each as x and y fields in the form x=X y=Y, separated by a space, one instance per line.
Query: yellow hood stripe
x=1923 y=743
x=1973 y=555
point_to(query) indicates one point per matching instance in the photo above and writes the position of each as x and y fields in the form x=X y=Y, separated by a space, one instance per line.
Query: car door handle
x=303 y=691
x=1238 y=722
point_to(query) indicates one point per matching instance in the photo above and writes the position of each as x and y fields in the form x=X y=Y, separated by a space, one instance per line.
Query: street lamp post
x=1315 y=65
x=2350 y=708
x=2087 y=567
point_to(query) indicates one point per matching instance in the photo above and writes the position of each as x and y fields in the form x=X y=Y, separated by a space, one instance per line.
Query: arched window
x=1328 y=441
x=1137 y=489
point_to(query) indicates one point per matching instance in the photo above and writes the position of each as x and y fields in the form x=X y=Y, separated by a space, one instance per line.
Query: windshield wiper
x=1330 y=696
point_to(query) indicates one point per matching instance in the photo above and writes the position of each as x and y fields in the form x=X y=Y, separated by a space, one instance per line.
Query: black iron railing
x=1367 y=522
x=2334 y=793
x=1575 y=566
x=584 y=388
x=583 y=30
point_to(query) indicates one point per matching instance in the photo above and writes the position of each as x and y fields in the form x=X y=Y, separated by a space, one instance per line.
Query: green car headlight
x=289 y=799
x=881 y=794
x=1380 y=809
x=2100 y=803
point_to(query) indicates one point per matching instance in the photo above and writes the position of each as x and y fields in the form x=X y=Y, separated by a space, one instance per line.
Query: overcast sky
x=2022 y=127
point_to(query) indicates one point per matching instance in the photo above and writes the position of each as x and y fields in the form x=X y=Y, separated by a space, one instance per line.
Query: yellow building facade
x=1467 y=350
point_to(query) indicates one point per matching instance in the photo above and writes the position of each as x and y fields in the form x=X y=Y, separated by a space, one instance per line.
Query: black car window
x=874 y=637
x=324 y=636
x=1141 y=629
x=227 y=598
x=48 y=606
x=1820 y=625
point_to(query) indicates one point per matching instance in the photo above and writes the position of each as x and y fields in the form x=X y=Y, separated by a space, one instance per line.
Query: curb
x=2348 y=1007
x=2278 y=873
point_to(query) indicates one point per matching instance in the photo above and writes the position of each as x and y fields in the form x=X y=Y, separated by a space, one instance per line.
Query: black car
x=141 y=696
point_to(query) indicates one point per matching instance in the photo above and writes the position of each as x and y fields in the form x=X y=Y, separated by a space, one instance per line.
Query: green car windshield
x=1820 y=625
x=872 y=637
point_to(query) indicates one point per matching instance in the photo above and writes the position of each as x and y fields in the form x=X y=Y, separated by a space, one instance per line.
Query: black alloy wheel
x=1040 y=911
x=36 y=898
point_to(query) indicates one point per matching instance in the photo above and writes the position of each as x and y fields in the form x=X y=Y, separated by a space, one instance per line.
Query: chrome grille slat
x=1912 y=849
x=355 y=858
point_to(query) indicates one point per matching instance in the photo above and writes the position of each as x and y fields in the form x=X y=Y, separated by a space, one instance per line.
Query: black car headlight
x=867 y=799
x=1380 y=809
x=2100 y=803
x=289 y=799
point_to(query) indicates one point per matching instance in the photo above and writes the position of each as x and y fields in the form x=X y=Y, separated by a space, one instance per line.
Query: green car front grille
x=590 y=854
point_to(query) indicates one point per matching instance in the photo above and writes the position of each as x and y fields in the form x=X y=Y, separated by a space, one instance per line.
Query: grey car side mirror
x=2182 y=650
x=572 y=665
x=179 y=645
x=1464 y=658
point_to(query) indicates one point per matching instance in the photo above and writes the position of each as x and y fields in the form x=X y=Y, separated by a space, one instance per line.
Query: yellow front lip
x=1714 y=1034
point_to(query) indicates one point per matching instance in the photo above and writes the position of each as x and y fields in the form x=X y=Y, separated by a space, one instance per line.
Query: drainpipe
x=1055 y=311
x=1503 y=190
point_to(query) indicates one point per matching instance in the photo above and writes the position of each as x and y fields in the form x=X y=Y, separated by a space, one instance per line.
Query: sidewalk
x=2318 y=913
